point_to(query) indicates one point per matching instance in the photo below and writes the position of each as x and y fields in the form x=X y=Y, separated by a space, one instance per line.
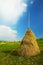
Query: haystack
x=29 y=46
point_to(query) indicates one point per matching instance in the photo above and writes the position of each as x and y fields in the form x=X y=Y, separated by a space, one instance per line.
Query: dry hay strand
x=29 y=46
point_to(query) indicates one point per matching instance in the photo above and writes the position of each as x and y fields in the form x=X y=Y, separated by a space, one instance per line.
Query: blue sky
x=15 y=16
x=36 y=12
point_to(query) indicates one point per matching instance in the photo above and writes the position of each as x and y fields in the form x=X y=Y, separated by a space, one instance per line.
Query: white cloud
x=32 y=2
x=11 y=10
x=7 y=34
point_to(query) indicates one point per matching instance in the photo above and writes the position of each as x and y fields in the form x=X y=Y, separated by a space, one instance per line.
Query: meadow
x=9 y=54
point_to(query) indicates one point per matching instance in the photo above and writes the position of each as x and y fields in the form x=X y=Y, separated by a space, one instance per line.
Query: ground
x=9 y=54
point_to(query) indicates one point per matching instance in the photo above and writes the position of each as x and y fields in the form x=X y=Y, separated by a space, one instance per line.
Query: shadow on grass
x=13 y=53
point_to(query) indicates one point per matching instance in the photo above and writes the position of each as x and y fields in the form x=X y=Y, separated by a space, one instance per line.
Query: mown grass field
x=9 y=55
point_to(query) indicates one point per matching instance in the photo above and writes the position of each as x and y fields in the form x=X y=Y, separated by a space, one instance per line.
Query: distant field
x=9 y=55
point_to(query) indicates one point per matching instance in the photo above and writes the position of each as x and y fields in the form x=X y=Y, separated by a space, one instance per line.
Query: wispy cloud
x=32 y=2
x=7 y=34
x=11 y=10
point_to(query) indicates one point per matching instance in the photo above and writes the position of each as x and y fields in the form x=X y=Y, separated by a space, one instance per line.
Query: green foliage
x=9 y=55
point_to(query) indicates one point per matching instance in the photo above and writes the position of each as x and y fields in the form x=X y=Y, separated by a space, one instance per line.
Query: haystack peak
x=28 y=31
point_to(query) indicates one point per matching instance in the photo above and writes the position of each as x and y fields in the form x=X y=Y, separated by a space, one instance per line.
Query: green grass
x=9 y=55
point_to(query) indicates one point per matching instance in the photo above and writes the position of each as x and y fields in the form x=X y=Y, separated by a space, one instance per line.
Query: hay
x=29 y=46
